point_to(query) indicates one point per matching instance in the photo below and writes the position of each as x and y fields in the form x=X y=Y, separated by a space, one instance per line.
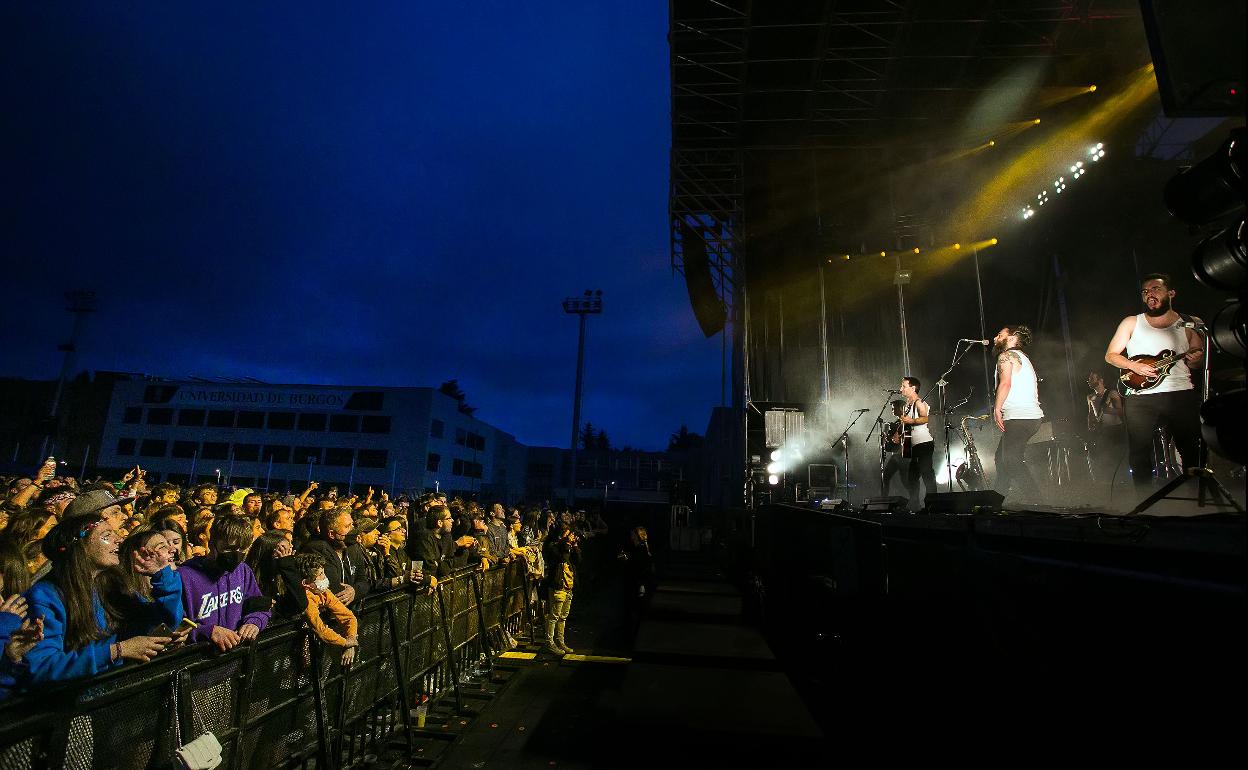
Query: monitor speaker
x=981 y=501
x=893 y=504
x=708 y=308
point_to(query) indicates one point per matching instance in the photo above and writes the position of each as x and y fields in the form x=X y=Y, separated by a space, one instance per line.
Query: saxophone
x=970 y=474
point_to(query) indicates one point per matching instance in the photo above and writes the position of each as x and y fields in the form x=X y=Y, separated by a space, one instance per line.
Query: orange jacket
x=346 y=619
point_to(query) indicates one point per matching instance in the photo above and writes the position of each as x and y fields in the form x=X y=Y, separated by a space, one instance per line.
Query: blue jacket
x=49 y=661
x=165 y=606
x=9 y=671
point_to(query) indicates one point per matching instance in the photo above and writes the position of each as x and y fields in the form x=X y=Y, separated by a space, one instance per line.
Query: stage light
x=1221 y=260
x=1091 y=88
x=847 y=257
x=991 y=143
x=1036 y=122
x=1214 y=187
x=883 y=254
x=773 y=468
x=916 y=250
x=773 y=479
x=778 y=455
x=993 y=241
x=957 y=246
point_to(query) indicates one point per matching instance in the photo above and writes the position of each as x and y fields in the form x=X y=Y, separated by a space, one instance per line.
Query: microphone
x=985 y=343
x=889 y=391
x=860 y=411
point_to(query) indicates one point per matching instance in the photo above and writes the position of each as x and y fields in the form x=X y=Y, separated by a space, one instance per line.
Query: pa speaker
x=894 y=504
x=1198 y=56
x=707 y=306
x=981 y=501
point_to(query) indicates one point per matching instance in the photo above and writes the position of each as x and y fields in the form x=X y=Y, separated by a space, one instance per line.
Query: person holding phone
x=220 y=592
x=80 y=636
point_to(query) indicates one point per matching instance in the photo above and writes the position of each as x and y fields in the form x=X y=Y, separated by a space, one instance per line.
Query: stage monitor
x=964 y=503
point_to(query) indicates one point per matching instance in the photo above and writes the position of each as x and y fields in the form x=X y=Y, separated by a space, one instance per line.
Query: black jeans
x=921 y=467
x=1011 y=467
x=1178 y=412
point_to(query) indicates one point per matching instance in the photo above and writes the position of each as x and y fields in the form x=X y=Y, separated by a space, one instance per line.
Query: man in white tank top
x=922 y=449
x=1016 y=410
x=1174 y=403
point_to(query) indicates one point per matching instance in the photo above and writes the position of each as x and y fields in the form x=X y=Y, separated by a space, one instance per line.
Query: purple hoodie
x=215 y=598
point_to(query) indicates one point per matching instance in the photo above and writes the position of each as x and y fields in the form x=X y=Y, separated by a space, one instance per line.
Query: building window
x=125 y=447
x=220 y=418
x=437 y=428
x=133 y=415
x=312 y=421
x=278 y=454
x=191 y=418
x=184 y=449
x=247 y=453
x=338 y=456
x=215 y=450
x=432 y=462
x=461 y=436
x=371 y=458
x=153 y=447
x=281 y=420
x=302 y=453
x=457 y=468
x=476 y=441
x=160 y=416
x=249 y=419
x=344 y=423
x=375 y=423
x=366 y=401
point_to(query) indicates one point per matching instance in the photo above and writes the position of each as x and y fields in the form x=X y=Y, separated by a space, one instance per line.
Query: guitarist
x=1172 y=403
x=922 y=448
x=893 y=444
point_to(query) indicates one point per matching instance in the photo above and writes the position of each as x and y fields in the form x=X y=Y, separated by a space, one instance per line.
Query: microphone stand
x=958 y=355
x=879 y=421
x=844 y=437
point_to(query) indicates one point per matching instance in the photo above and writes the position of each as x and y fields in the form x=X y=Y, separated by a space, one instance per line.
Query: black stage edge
x=1007 y=623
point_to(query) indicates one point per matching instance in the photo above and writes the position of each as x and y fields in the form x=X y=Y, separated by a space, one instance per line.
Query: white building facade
x=277 y=437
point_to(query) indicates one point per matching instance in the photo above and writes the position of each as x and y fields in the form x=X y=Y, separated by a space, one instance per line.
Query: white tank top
x=1023 y=400
x=919 y=434
x=1148 y=340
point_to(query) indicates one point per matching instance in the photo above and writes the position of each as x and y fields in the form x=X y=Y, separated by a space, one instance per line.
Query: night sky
x=315 y=193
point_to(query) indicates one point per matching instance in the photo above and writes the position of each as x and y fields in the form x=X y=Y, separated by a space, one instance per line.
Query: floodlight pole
x=81 y=304
x=589 y=303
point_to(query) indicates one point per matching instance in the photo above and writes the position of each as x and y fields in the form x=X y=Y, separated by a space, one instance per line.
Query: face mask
x=230 y=559
x=322 y=584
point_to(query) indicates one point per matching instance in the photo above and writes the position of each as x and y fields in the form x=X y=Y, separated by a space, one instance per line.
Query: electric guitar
x=1129 y=382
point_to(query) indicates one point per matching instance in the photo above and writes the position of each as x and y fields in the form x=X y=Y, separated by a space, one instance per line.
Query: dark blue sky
x=313 y=192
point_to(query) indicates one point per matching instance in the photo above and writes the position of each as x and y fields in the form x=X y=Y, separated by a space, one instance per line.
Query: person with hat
x=360 y=541
x=79 y=624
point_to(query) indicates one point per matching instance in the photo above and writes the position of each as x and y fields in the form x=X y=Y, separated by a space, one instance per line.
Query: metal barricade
x=283 y=701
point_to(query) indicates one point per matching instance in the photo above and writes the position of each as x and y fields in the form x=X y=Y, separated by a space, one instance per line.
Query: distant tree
x=601 y=441
x=683 y=439
x=452 y=389
x=589 y=437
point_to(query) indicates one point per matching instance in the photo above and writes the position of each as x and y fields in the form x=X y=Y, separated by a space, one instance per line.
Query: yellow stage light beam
x=1048 y=97
x=1033 y=167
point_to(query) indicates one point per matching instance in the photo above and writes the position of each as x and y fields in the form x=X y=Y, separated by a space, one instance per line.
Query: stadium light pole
x=589 y=303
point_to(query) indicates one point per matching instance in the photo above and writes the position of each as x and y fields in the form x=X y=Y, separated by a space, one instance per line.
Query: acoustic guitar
x=1129 y=382
x=898 y=438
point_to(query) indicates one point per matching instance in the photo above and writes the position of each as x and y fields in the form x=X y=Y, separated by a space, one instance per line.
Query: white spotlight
x=1099 y=146
x=777 y=455
x=773 y=468
x=773 y=479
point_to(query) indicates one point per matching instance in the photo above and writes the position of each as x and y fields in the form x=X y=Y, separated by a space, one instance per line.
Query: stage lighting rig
x=1207 y=193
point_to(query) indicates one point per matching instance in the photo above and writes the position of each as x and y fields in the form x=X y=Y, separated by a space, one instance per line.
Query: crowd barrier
x=282 y=701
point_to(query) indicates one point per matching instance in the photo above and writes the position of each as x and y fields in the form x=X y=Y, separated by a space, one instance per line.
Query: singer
x=922 y=448
x=1016 y=409
x=1173 y=403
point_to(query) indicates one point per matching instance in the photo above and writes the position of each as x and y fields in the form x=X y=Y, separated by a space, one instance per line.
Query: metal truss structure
x=854 y=77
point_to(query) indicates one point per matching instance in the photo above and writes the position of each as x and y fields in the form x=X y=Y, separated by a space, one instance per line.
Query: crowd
x=104 y=574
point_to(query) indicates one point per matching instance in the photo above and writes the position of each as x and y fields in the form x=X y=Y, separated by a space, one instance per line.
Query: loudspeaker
x=894 y=504
x=707 y=306
x=1198 y=56
x=835 y=504
x=982 y=501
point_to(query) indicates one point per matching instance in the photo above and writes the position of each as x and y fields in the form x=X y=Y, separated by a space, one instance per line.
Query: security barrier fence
x=280 y=701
